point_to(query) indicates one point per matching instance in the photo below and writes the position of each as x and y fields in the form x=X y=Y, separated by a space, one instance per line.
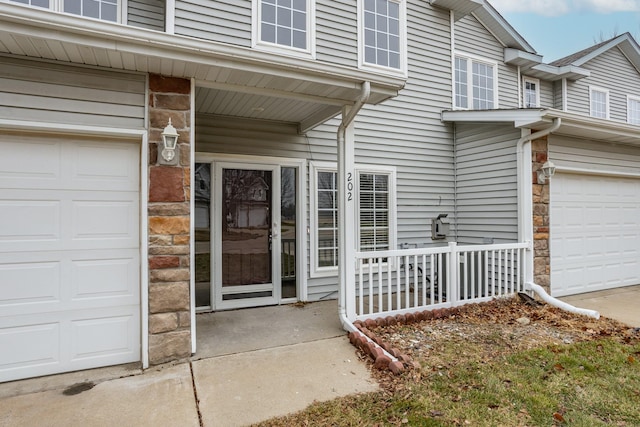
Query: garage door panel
x=106 y=278
x=100 y=337
x=603 y=242
x=29 y=162
x=104 y=168
x=69 y=255
x=113 y=220
x=43 y=279
x=28 y=221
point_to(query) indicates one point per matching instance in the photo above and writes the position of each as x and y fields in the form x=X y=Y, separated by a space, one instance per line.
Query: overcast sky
x=557 y=28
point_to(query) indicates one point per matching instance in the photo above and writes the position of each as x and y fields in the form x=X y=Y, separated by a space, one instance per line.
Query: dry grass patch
x=502 y=363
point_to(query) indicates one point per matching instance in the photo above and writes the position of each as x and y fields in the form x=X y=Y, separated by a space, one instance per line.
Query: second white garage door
x=69 y=254
x=595 y=233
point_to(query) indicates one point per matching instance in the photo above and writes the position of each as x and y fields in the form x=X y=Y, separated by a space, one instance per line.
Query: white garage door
x=69 y=255
x=595 y=233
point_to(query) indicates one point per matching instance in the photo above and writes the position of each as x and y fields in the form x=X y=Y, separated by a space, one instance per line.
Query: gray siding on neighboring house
x=225 y=21
x=473 y=38
x=486 y=183
x=48 y=92
x=593 y=156
x=624 y=81
x=147 y=14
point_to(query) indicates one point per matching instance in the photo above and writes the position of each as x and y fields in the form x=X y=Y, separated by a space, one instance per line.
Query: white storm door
x=69 y=254
x=595 y=233
x=247 y=235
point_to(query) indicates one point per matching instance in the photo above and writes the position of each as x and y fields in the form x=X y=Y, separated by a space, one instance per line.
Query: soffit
x=231 y=80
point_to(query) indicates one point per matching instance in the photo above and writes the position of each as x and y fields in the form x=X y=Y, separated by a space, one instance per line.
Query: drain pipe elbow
x=561 y=304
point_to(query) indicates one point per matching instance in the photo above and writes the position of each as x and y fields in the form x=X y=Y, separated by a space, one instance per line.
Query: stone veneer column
x=169 y=192
x=541 y=232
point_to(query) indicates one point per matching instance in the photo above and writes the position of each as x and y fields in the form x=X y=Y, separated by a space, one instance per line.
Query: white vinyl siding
x=475 y=83
x=486 y=184
x=147 y=14
x=473 y=38
x=54 y=93
x=382 y=25
x=336 y=32
x=593 y=156
x=599 y=102
x=633 y=110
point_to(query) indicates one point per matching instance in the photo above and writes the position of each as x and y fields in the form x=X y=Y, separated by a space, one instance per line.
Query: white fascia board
x=27 y=21
x=519 y=117
x=521 y=58
x=553 y=73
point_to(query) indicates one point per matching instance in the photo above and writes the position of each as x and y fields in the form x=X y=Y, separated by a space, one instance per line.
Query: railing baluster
x=432 y=276
x=360 y=289
x=399 y=284
x=371 y=296
x=380 y=289
x=424 y=280
x=390 y=283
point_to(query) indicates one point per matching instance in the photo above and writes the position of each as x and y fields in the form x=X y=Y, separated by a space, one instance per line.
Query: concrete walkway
x=223 y=387
x=622 y=304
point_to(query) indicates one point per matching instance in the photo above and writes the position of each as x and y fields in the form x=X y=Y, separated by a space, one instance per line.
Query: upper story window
x=599 y=102
x=531 y=92
x=476 y=83
x=106 y=10
x=284 y=24
x=633 y=110
x=382 y=34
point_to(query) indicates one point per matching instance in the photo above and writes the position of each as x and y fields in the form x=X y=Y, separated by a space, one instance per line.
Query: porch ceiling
x=230 y=80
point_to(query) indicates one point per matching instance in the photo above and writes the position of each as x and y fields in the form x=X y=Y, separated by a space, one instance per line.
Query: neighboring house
x=107 y=251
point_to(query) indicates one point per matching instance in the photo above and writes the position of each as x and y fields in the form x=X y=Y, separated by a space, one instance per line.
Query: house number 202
x=349 y=186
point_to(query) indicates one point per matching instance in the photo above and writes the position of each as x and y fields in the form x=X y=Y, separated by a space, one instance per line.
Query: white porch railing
x=410 y=280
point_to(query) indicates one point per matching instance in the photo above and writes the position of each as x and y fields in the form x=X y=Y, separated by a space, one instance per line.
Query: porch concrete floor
x=251 y=365
x=622 y=304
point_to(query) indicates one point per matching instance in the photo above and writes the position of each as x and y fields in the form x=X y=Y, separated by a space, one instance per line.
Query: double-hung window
x=475 y=83
x=106 y=10
x=284 y=25
x=599 y=102
x=633 y=110
x=382 y=34
x=531 y=92
x=375 y=207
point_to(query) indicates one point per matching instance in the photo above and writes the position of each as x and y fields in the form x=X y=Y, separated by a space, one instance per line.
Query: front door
x=241 y=210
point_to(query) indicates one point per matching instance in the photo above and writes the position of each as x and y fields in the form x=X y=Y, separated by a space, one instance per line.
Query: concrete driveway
x=622 y=304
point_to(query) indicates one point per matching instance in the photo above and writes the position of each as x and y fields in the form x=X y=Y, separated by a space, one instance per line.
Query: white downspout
x=525 y=231
x=346 y=210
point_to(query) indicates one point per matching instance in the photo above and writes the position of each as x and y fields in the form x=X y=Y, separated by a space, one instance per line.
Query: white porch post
x=347 y=221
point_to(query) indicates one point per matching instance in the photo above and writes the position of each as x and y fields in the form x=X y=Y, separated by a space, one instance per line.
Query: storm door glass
x=246 y=234
x=202 y=233
x=288 y=184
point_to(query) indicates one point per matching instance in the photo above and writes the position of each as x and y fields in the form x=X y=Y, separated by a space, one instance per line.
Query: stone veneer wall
x=541 y=232
x=169 y=192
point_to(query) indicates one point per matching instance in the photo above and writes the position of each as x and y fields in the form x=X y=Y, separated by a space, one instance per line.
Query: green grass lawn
x=487 y=382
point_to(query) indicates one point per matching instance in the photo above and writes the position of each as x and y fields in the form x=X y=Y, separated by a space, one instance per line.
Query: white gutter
x=561 y=304
x=525 y=192
x=344 y=262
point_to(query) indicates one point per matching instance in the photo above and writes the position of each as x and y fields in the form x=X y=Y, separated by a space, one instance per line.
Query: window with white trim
x=475 y=84
x=382 y=34
x=599 y=102
x=284 y=24
x=633 y=110
x=531 y=92
x=375 y=204
x=105 y=10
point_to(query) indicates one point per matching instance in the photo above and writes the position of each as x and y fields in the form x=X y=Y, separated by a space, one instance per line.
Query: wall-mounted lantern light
x=546 y=171
x=169 y=142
